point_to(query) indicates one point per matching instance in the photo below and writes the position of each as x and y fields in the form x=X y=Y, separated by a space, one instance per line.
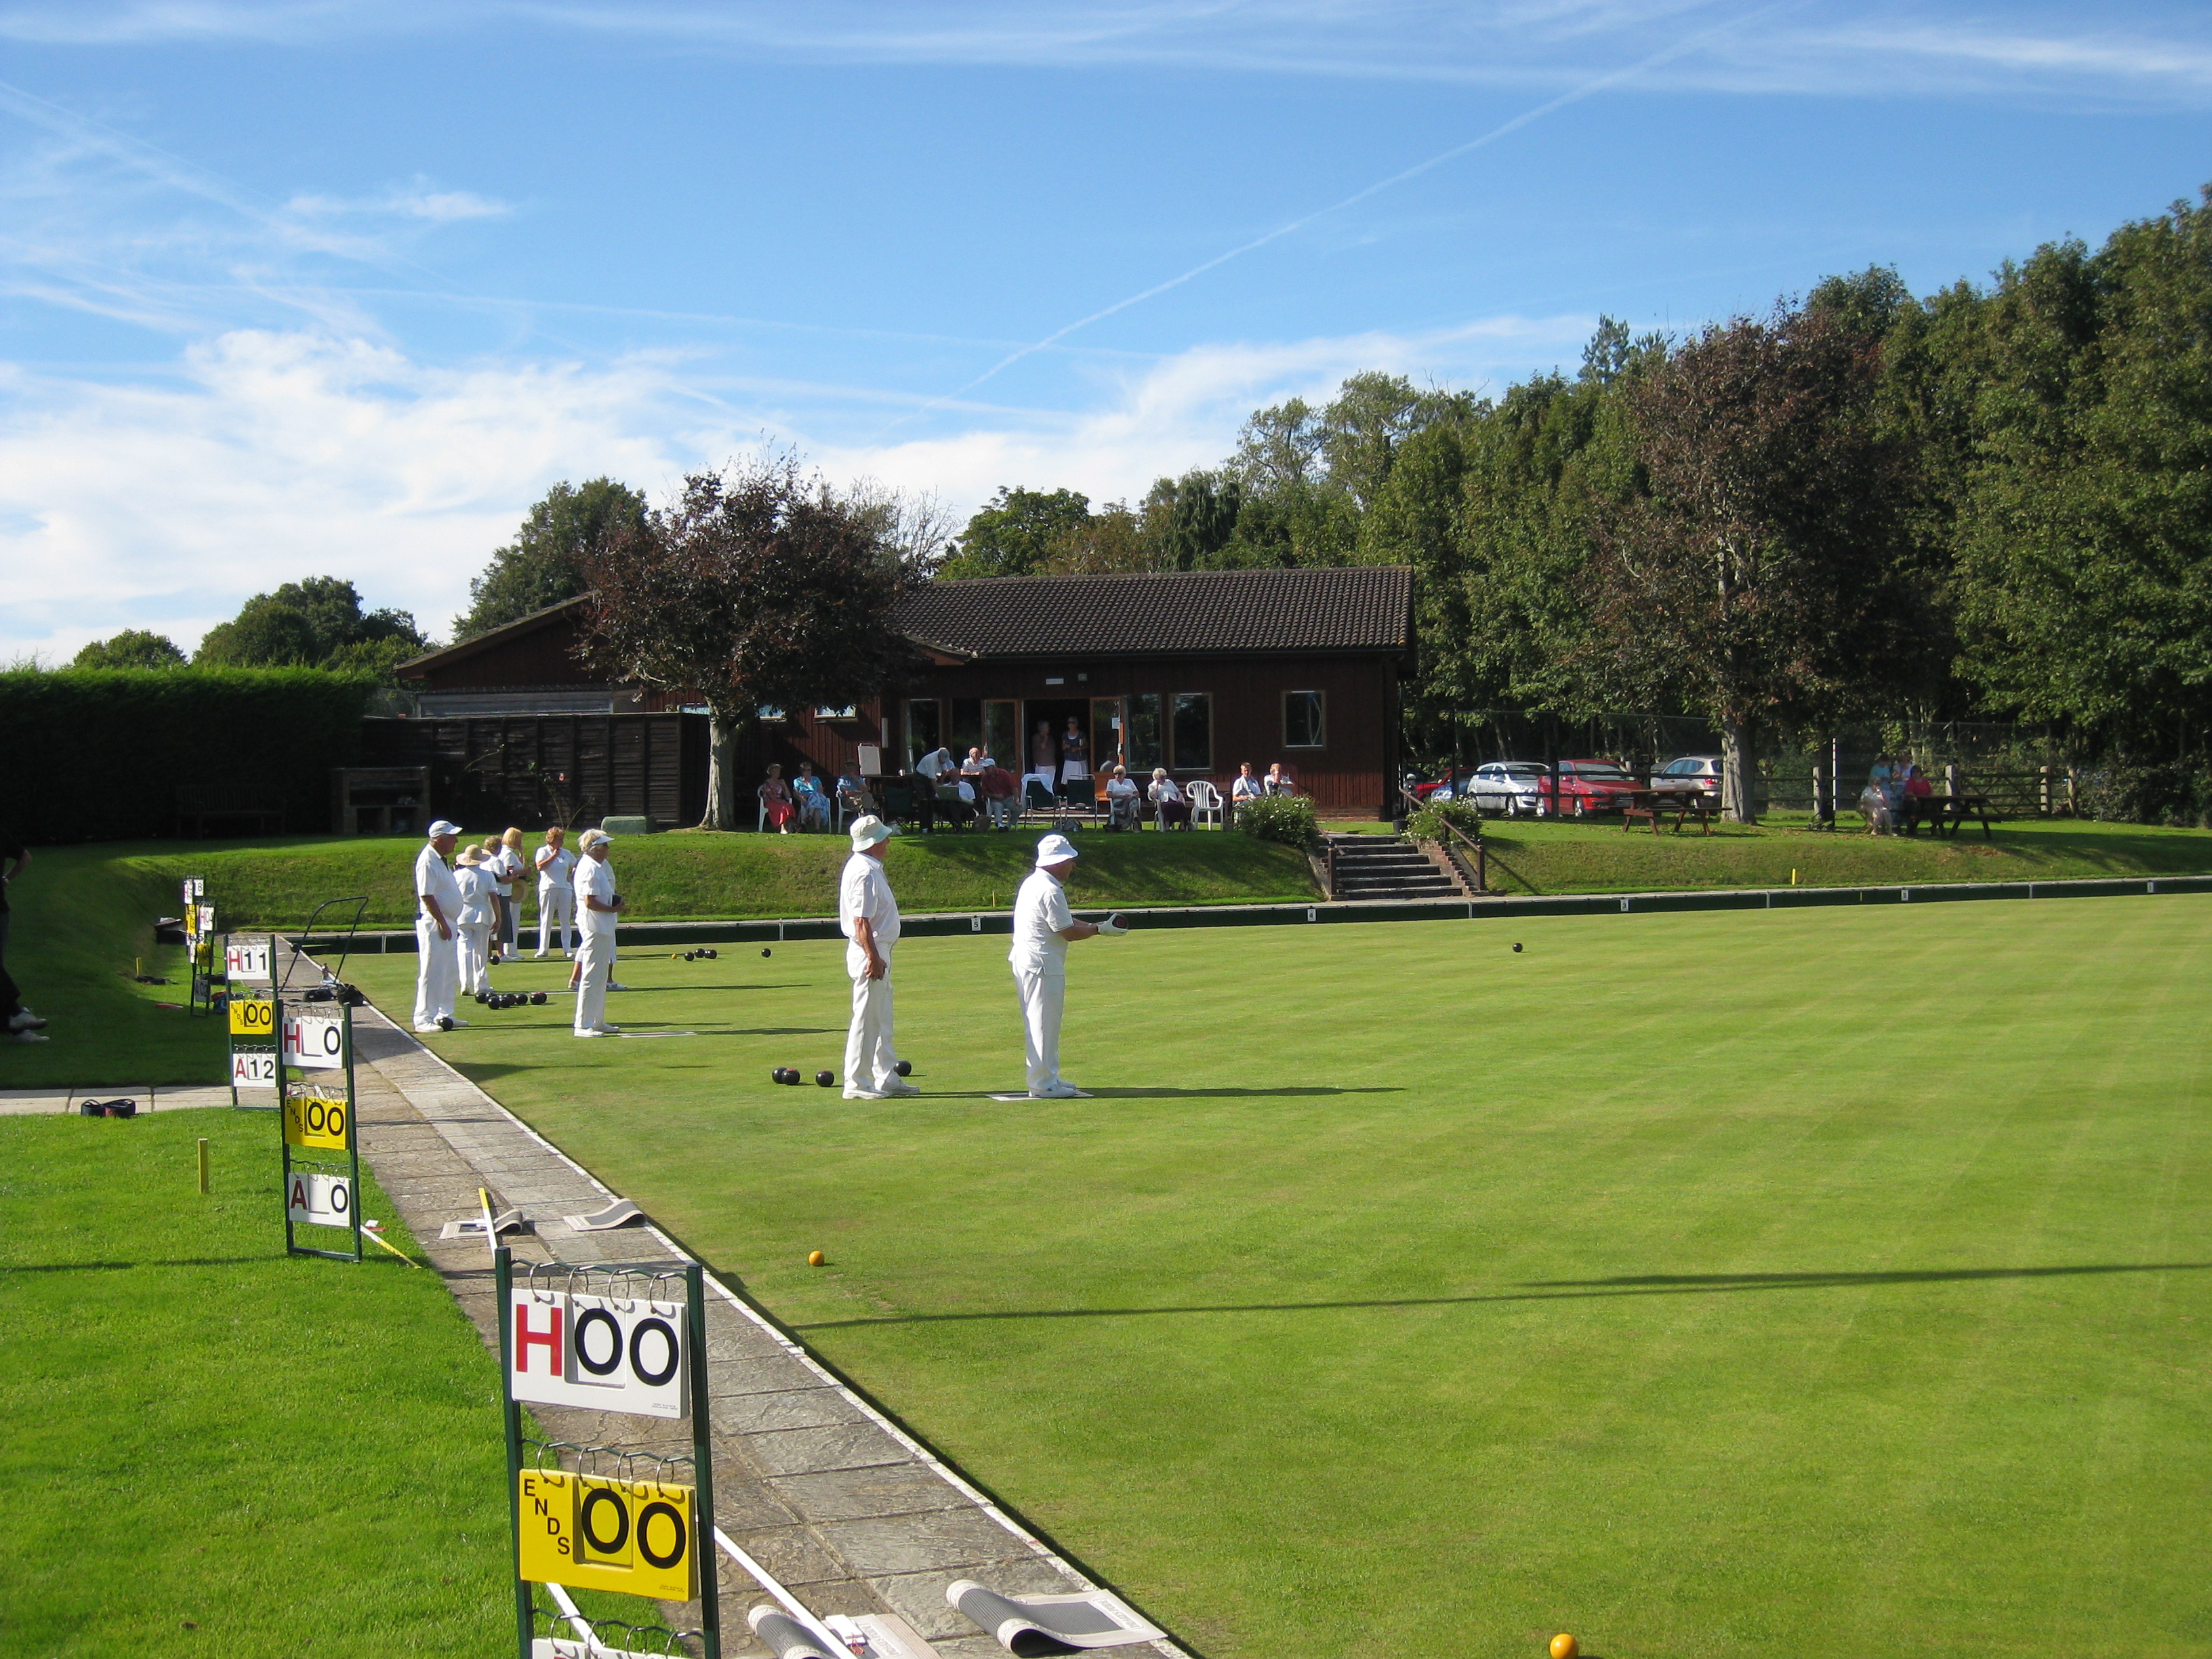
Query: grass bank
x=700 y=873
x=206 y=1448
x=1825 y=1283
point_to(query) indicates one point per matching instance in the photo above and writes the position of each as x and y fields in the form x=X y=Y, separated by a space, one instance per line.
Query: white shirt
x=556 y=868
x=1039 y=912
x=595 y=878
x=1245 y=788
x=506 y=865
x=1165 y=790
x=477 y=886
x=1125 y=787
x=864 y=890
x=936 y=761
x=434 y=879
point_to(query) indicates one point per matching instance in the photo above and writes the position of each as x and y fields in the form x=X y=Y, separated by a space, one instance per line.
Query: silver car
x=1512 y=787
x=1689 y=774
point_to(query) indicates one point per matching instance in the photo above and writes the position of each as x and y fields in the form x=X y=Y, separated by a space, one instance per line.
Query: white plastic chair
x=1204 y=799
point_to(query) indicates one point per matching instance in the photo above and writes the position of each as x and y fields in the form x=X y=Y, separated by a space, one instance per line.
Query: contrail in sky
x=1689 y=43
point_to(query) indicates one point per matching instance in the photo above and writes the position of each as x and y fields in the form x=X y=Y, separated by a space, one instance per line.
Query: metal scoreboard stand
x=607 y=1338
x=255 y=1063
x=322 y=1158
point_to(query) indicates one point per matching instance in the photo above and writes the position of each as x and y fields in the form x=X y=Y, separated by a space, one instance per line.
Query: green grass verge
x=83 y=919
x=1822 y=1283
x=699 y=873
x=208 y=1449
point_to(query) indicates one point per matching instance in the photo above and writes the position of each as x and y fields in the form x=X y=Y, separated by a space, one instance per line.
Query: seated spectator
x=1247 y=788
x=1874 y=803
x=776 y=799
x=814 y=809
x=1124 y=801
x=1917 y=788
x=1168 y=800
x=1277 y=781
x=999 y=792
x=859 y=802
x=972 y=764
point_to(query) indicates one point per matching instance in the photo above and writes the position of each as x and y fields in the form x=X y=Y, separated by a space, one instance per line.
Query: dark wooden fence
x=487 y=771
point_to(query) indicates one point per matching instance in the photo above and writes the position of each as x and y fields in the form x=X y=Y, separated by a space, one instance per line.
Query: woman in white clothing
x=503 y=858
x=479 y=914
x=1123 y=800
x=556 y=894
x=1073 y=749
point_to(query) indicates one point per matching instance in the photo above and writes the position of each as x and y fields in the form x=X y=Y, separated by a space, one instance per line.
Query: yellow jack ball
x=1564 y=1646
x=814 y=1258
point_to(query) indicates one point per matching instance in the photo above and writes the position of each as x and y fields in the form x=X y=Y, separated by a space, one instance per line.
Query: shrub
x=1286 y=818
x=100 y=754
x=2122 y=792
x=1428 y=823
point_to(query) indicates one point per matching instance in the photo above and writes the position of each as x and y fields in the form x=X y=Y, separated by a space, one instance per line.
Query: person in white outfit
x=479 y=888
x=596 y=905
x=1043 y=929
x=503 y=858
x=868 y=915
x=437 y=907
x=557 y=893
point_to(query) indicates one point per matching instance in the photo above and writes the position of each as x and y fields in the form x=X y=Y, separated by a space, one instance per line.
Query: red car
x=1584 y=787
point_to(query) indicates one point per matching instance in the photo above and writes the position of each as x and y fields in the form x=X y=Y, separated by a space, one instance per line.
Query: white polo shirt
x=475 y=883
x=558 y=871
x=1039 y=912
x=434 y=879
x=595 y=878
x=865 y=890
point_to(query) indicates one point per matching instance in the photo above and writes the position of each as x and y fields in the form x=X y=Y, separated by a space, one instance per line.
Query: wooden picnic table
x=1651 y=804
x=1944 y=813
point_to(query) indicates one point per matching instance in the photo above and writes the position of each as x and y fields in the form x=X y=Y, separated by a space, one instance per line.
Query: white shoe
x=898 y=1085
x=1058 y=1091
x=427 y=1028
x=617 y=985
x=538 y=955
x=865 y=1094
x=25 y=1020
x=592 y=1031
x=28 y=1035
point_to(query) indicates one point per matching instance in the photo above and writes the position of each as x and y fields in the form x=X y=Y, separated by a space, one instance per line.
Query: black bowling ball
x=903 y=1067
x=825 y=1078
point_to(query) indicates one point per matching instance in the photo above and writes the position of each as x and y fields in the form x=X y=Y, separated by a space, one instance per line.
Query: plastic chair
x=1081 y=795
x=1204 y=800
x=1037 y=799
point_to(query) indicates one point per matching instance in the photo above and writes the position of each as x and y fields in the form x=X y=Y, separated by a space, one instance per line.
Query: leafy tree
x=1763 y=571
x=1113 y=538
x=315 y=623
x=542 y=566
x=1016 y=533
x=1202 y=510
x=134 y=647
x=757 y=589
x=912 y=529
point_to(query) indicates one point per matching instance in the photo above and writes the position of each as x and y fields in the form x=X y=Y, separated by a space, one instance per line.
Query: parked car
x=1584 y=787
x=1512 y=787
x=1689 y=774
x=1443 y=788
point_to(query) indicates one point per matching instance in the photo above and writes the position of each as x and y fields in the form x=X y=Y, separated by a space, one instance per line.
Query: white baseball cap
x=1056 y=850
x=442 y=827
x=868 y=830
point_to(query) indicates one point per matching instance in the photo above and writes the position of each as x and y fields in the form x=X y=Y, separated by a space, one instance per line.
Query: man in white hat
x=868 y=917
x=437 y=912
x=1043 y=929
x=597 y=906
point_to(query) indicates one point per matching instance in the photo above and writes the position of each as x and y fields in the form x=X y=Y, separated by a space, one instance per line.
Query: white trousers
x=1004 y=810
x=472 y=945
x=870 y=1059
x=1042 y=996
x=556 y=913
x=595 y=961
x=437 y=974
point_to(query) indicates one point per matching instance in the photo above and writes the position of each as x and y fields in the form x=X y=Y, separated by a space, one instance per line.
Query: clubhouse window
x=1193 y=732
x=1303 y=726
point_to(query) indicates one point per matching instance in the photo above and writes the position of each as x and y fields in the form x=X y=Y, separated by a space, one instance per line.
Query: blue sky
x=332 y=287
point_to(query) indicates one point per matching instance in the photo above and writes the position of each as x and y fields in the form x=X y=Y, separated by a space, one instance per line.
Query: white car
x=1689 y=774
x=1512 y=787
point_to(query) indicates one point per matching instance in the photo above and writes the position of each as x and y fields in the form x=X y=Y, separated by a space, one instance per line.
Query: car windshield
x=1518 y=771
x=1605 y=771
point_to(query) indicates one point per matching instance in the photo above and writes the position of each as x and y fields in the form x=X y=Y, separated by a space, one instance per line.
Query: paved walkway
x=163 y=1097
x=850 y=1513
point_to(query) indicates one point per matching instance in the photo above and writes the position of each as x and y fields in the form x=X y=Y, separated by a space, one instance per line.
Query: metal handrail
x=1481 y=872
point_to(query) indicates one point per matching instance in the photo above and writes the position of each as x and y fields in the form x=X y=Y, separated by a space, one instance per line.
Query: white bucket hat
x=868 y=830
x=1056 y=850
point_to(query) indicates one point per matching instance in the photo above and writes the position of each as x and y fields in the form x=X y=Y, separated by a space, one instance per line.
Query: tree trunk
x=721 y=773
x=1739 y=804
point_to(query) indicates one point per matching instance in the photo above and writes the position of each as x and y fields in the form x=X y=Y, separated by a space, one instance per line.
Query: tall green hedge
x=105 y=754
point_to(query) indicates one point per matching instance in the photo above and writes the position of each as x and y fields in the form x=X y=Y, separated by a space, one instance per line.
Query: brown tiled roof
x=1367 y=608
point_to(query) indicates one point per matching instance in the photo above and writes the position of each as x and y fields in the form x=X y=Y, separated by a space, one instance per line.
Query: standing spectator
x=479 y=915
x=597 y=906
x=24 y=1025
x=1044 y=756
x=557 y=893
x=868 y=917
x=936 y=763
x=1247 y=788
x=813 y=799
x=438 y=906
x=1073 y=748
x=1123 y=800
x=1167 y=801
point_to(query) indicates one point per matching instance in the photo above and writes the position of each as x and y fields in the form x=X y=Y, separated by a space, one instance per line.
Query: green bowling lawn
x=1826 y=1283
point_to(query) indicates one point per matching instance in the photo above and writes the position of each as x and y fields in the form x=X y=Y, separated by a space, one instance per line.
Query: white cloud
x=417 y=202
x=274 y=456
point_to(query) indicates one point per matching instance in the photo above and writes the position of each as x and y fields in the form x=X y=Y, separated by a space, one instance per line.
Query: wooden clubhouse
x=1196 y=671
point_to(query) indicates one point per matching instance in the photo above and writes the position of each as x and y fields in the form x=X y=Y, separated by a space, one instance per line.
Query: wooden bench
x=1651 y=805
x=1944 y=814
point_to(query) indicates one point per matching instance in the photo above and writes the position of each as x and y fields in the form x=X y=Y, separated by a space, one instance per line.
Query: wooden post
x=1950 y=777
x=2044 y=790
x=2073 y=808
x=203 y=1166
